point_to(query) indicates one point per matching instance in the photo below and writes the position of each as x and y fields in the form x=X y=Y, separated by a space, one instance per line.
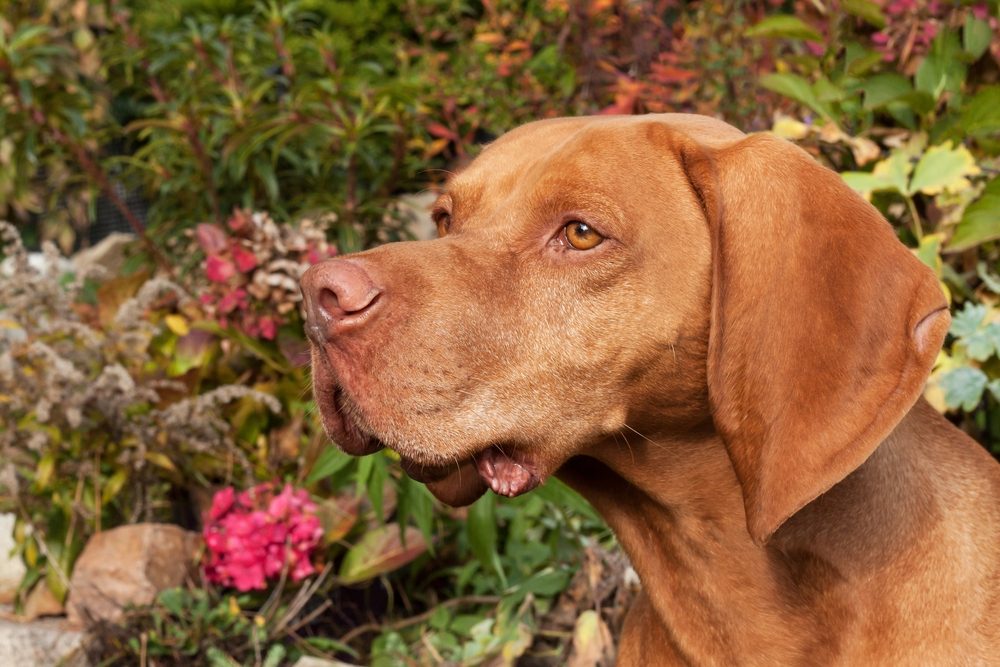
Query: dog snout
x=340 y=295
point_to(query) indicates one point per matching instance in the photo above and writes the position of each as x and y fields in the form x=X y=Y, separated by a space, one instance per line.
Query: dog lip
x=343 y=430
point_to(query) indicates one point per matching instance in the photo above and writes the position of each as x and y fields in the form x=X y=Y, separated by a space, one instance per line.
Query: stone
x=45 y=643
x=42 y=602
x=128 y=565
x=312 y=661
x=415 y=210
x=11 y=566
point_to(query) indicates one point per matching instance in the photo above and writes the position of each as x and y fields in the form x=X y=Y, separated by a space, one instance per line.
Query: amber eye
x=582 y=236
x=443 y=222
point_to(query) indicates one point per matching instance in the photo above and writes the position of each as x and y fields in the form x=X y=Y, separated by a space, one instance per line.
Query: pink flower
x=268 y=327
x=258 y=534
x=219 y=269
x=981 y=12
x=222 y=502
x=816 y=48
x=245 y=260
x=211 y=238
x=236 y=299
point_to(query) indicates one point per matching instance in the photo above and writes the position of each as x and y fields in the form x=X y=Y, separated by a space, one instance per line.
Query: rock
x=416 y=211
x=128 y=565
x=311 y=661
x=41 y=602
x=42 y=644
x=11 y=566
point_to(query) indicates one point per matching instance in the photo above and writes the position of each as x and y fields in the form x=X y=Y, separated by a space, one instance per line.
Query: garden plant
x=264 y=137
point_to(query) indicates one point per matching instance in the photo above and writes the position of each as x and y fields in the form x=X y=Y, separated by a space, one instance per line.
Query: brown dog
x=717 y=343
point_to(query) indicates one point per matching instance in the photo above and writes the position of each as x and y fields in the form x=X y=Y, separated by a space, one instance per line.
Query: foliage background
x=263 y=136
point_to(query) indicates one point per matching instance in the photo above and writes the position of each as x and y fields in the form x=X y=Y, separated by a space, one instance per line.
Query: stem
x=191 y=128
x=914 y=218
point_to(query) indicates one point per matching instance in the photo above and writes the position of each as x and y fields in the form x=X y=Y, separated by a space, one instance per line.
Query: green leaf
x=557 y=493
x=417 y=502
x=172 y=600
x=545 y=583
x=943 y=168
x=967 y=321
x=379 y=551
x=929 y=252
x=980 y=221
x=891 y=173
x=330 y=460
x=784 y=25
x=963 y=387
x=218 y=658
x=865 y=10
x=882 y=89
x=797 y=88
x=976 y=36
x=984 y=343
x=275 y=655
x=482 y=529
x=942 y=68
x=981 y=114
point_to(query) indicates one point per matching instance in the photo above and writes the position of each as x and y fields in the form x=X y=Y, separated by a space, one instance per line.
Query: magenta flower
x=218 y=269
x=245 y=260
x=254 y=536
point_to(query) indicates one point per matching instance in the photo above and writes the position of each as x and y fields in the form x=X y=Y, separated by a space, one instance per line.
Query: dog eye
x=581 y=236
x=443 y=221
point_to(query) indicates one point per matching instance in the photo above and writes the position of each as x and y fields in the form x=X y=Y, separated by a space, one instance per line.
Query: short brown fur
x=732 y=378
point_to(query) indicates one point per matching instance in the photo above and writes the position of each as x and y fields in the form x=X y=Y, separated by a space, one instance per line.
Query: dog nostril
x=337 y=292
x=329 y=302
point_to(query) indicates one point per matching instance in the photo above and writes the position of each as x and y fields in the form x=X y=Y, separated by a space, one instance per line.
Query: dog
x=718 y=344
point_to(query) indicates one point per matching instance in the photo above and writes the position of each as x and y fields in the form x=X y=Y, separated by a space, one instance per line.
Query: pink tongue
x=504 y=475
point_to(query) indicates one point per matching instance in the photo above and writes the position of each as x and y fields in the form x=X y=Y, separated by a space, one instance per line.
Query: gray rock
x=47 y=643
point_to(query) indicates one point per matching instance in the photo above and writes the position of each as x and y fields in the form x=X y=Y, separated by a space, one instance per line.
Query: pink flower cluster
x=252 y=266
x=254 y=535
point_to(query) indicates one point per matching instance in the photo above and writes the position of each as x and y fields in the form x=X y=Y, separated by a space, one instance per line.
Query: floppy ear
x=823 y=325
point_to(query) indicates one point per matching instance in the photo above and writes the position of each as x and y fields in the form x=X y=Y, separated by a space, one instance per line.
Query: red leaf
x=439 y=130
x=380 y=551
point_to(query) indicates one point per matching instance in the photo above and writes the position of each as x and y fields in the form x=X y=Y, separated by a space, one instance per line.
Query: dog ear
x=823 y=325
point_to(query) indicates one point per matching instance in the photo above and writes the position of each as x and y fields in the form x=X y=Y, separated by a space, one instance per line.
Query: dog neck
x=675 y=505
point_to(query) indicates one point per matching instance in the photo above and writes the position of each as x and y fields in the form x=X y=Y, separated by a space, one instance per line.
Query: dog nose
x=339 y=295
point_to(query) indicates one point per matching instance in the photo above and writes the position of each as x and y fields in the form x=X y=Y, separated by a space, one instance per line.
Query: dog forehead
x=596 y=146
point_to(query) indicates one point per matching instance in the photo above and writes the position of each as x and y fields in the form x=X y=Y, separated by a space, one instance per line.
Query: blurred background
x=168 y=171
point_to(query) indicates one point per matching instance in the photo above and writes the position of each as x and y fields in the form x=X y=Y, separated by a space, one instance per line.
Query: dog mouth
x=505 y=468
x=507 y=471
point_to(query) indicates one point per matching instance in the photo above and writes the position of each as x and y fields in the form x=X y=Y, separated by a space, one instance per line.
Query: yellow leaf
x=787 y=127
x=162 y=460
x=178 y=324
x=43 y=474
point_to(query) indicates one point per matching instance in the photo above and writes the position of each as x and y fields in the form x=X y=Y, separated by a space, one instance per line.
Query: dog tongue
x=504 y=475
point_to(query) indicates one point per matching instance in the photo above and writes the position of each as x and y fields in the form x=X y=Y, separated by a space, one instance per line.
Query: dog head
x=654 y=273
